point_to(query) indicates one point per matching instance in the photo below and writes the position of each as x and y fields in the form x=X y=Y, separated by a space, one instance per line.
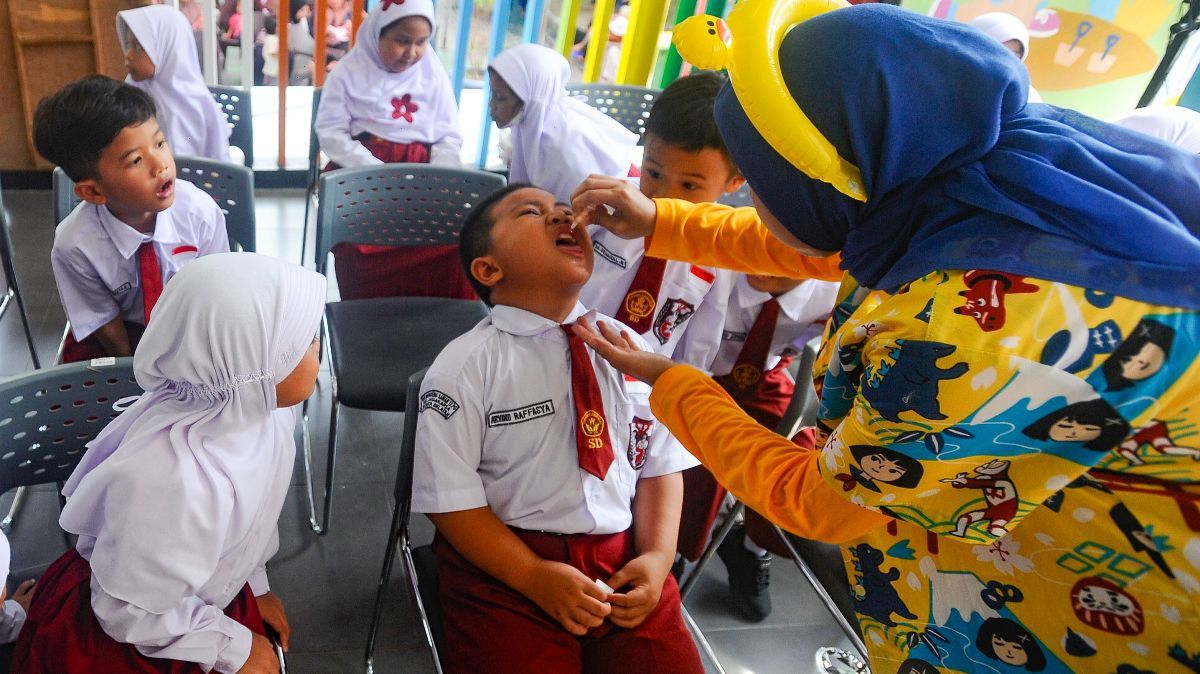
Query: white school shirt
x=12 y=619
x=95 y=256
x=689 y=312
x=497 y=429
x=802 y=314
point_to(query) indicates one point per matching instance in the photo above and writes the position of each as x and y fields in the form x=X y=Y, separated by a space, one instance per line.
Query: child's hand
x=262 y=658
x=271 y=608
x=23 y=595
x=622 y=352
x=634 y=214
x=644 y=575
x=568 y=596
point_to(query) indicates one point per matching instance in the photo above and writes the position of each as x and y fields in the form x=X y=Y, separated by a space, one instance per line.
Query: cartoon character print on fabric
x=1102 y=604
x=917 y=666
x=1008 y=642
x=1093 y=424
x=985 y=294
x=880 y=465
x=999 y=495
x=1142 y=538
x=877 y=598
x=1101 y=340
x=1157 y=436
x=1181 y=655
x=639 y=442
x=910 y=383
x=671 y=317
x=1141 y=356
x=404 y=107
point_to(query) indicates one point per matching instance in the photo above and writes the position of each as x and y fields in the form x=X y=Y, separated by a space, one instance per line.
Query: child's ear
x=89 y=191
x=735 y=182
x=486 y=271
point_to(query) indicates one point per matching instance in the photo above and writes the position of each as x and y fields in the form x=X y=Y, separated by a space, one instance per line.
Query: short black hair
x=683 y=114
x=1147 y=331
x=475 y=240
x=73 y=126
x=270 y=24
x=1013 y=633
x=1095 y=412
x=913 y=470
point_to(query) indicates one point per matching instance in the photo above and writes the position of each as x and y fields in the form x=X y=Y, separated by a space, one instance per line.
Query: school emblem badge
x=746 y=375
x=639 y=304
x=639 y=442
x=672 y=316
x=592 y=424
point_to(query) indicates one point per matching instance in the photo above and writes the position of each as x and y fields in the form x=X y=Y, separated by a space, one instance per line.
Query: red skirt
x=385 y=271
x=62 y=635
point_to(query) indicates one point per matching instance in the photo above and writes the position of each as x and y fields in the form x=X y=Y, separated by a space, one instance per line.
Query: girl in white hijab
x=557 y=140
x=389 y=99
x=176 y=503
x=160 y=57
x=1175 y=124
x=1011 y=32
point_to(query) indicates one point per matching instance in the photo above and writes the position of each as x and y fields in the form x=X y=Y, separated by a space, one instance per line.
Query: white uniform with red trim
x=95 y=256
x=690 y=307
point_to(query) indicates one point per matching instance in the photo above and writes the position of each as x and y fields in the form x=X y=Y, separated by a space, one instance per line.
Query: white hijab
x=370 y=87
x=187 y=113
x=205 y=449
x=1175 y=124
x=1002 y=27
x=558 y=140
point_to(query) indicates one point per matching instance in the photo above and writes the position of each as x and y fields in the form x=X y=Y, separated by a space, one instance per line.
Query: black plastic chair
x=314 y=169
x=374 y=345
x=12 y=291
x=65 y=200
x=629 y=105
x=424 y=583
x=235 y=103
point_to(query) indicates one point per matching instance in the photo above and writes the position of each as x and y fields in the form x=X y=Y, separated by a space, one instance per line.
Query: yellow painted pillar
x=566 y=27
x=640 y=47
x=599 y=40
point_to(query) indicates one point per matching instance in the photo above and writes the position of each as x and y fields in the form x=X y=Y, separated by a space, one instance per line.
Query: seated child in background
x=678 y=307
x=16 y=606
x=390 y=100
x=176 y=502
x=160 y=57
x=137 y=225
x=544 y=470
x=557 y=140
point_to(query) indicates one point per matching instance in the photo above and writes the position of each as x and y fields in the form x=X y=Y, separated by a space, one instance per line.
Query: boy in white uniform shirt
x=137 y=224
x=544 y=470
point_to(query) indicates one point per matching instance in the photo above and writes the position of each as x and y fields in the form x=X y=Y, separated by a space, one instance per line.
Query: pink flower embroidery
x=389 y=3
x=404 y=107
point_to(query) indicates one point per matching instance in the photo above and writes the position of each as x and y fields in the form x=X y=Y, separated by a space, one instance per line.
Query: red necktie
x=752 y=359
x=151 y=275
x=591 y=427
x=637 y=309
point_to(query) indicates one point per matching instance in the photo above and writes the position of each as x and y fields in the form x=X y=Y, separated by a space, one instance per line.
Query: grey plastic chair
x=314 y=169
x=230 y=185
x=738 y=199
x=48 y=416
x=374 y=345
x=235 y=103
x=12 y=291
x=423 y=585
x=627 y=104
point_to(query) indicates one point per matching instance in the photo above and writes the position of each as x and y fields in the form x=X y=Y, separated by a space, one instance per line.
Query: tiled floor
x=329 y=582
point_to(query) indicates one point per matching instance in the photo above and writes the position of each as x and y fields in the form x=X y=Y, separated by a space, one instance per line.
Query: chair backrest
x=314 y=144
x=232 y=187
x=65 y=200
x=802 y=410
x=12 y=290
x=48 y=416
x=627 y=104
x=408 y=445
x=397 y=205
x=235 y=103
x=739 y=198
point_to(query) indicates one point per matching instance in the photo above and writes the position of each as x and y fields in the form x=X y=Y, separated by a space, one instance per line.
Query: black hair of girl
x=1012 y=633
x=1145 y=332
x=913 y=470
x=1097 y=412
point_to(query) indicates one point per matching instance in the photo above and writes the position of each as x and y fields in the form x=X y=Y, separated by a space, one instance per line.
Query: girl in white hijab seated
x=1011 y=32
x=176 y=503
x=558 y=141
x=160 y=57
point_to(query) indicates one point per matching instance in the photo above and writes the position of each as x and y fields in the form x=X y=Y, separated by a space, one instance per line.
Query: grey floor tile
x=773 y=650
x=343 y=662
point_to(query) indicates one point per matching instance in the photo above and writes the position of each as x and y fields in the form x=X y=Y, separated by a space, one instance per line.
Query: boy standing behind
x=544 y=471
x=137 y=225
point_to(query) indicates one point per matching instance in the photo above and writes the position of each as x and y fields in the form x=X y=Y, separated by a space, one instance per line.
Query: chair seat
x=377 y=344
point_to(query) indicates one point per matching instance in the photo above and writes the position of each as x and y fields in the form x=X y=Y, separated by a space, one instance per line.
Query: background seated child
x=176 y=503
x=15 y=604
x=160 y=57
x=390 y=100
x=557 y=140
x=544 y=470
x=678 y=307
x=137 y=225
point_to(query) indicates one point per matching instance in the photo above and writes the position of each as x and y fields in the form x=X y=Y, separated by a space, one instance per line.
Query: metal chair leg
x=414 y=586
x=308 y=472
x=717 y=538
x=701 y=641
x=389 y=559
x=322 y=527
x=18 y=497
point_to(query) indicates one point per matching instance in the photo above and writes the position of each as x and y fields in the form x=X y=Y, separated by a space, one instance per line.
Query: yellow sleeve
x=765 y=471
x=731 y=238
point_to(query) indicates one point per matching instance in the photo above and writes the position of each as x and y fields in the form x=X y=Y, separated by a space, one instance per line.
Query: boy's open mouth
x=166 y=188
x=567 y=240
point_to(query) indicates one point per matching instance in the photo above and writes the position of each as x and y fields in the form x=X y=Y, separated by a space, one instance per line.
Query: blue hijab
x=961 y=174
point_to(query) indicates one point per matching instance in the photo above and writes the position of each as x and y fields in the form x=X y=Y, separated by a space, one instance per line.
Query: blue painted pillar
x=499 y=27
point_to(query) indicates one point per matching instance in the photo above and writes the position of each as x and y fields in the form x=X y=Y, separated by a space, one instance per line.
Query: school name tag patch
x=521 y=414
x=608 y=254
x=439 y=402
